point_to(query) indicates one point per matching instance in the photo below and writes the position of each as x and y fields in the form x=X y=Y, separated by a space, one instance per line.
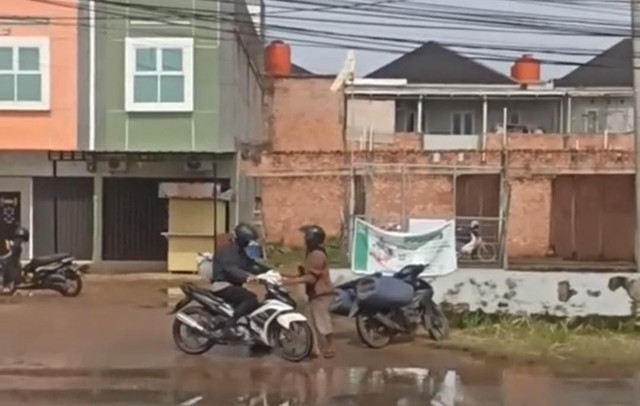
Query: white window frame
x=462 y=114
x=186 y=44
x=43 y=44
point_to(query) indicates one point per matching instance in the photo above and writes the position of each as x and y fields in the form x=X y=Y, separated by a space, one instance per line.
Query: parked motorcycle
x=386 y=306
x=196 y=329
x=58 y=272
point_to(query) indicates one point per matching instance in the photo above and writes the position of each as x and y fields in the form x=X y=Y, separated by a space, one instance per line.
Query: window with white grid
x=159 y=74
x=24 y=73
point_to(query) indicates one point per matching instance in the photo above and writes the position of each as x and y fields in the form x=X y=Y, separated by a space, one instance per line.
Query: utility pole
x=635 y=61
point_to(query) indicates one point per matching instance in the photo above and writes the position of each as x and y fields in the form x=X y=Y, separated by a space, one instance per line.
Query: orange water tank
x=278 y=59
x=526 y=70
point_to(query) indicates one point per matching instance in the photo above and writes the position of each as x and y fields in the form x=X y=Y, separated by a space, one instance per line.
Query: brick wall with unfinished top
x=560 y=185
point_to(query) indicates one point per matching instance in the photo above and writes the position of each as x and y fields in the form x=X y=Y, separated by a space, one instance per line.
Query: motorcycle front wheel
x=371 y=332
x=294 y=344
x=188 y=339
x=436 y=323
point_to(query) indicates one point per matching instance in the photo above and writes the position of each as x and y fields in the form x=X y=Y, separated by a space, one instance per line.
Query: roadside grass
x=288 y=259
x=527 y=339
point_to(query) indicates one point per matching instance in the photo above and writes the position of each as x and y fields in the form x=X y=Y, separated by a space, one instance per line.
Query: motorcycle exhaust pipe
x=190 y=322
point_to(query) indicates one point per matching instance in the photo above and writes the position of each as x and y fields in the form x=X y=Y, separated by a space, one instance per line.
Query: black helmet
x=22 y=234
x=244 y=234
x=313 y=236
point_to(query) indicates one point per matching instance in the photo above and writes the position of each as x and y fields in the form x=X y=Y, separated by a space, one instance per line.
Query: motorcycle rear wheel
x=298 y=331
x=203 y=344
x=366 y=327
x=73 y=289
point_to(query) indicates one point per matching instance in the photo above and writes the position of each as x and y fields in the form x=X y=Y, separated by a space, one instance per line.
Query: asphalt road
x=112 y=345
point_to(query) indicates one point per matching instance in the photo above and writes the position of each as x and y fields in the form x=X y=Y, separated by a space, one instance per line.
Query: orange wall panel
x=57 y=127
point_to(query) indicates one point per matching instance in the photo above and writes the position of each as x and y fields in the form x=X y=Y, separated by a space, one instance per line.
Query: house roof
x=434 y=63
x=612 y=68
x=299 y=70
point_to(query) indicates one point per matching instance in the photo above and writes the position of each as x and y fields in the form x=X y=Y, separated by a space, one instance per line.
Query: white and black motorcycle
x=276 y=324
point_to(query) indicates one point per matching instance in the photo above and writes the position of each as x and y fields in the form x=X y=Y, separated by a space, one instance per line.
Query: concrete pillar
x=420 y=126
x=569 y=114
x=97 y=217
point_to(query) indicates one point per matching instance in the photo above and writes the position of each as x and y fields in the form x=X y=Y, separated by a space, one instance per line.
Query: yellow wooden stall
x=191 y=219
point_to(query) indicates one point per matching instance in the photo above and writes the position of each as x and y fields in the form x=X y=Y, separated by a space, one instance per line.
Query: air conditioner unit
x=198 y=166
x=116 y=165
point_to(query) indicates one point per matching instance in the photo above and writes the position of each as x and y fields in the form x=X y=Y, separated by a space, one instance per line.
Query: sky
x=326 y=60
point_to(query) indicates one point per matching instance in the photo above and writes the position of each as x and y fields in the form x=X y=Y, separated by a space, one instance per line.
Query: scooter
x=58 y=272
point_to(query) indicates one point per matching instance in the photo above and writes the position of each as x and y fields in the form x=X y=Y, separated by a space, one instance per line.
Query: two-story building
x=101 y=113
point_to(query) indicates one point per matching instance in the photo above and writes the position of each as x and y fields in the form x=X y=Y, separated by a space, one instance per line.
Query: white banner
x=377 y=250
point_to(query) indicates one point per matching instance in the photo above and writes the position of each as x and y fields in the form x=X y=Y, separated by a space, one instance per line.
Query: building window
x=406 y=116
x=462 y=123
x=24 y=73
x=159 y=74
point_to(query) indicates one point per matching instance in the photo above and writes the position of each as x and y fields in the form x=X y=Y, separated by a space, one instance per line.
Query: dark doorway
x=360 y=196
x=478 y=196
x=134 y=218
x=74 y=216
x=593 y=217
x=9 y=217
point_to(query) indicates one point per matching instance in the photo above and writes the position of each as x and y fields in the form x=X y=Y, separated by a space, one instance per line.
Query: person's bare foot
x=329 y=353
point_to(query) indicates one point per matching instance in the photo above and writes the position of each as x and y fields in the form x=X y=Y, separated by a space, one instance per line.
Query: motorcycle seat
x=47 y=259
x=206 y=292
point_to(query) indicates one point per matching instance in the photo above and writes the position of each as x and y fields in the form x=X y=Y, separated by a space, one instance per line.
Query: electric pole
x=635 y=64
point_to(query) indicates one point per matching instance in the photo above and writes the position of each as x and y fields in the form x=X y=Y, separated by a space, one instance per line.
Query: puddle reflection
x=309 y=385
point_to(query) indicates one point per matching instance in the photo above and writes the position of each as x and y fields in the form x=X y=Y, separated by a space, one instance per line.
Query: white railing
x=440 y=142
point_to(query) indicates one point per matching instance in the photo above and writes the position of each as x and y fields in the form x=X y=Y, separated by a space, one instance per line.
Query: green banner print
x=377 y=250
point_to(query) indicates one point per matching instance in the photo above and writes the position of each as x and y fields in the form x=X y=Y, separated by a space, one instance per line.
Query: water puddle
x=280 y=385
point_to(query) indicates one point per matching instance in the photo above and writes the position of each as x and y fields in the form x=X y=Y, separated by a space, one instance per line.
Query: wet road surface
x=113 y=346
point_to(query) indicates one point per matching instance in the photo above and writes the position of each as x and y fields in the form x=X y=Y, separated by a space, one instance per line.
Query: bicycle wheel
x=487 y=253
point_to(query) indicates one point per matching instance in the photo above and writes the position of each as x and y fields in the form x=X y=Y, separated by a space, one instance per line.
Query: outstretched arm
x=314 y=267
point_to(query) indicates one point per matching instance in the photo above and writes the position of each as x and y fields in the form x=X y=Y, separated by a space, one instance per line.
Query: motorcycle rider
x=233 y=266
x=10 y=262
x=315 y=275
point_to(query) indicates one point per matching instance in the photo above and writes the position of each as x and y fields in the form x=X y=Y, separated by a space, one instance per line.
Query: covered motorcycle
x=385 y=306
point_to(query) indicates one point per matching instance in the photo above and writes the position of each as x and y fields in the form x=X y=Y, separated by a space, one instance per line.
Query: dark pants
x=10 y=273
x=242 y=300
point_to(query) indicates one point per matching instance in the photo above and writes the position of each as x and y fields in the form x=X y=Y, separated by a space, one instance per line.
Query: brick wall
x=306 y=115
x=529 y=217
x=291 y=202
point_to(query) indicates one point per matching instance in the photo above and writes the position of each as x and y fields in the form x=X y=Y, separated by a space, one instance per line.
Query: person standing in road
x=315 y=275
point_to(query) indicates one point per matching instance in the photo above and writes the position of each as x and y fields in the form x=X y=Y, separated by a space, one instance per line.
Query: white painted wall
x=613 y=114
x=517 y=292
x=380 y=115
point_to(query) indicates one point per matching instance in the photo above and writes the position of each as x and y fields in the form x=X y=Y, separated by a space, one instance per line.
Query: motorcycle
x=407 y=305
x=57 y=272
x=275 y=323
